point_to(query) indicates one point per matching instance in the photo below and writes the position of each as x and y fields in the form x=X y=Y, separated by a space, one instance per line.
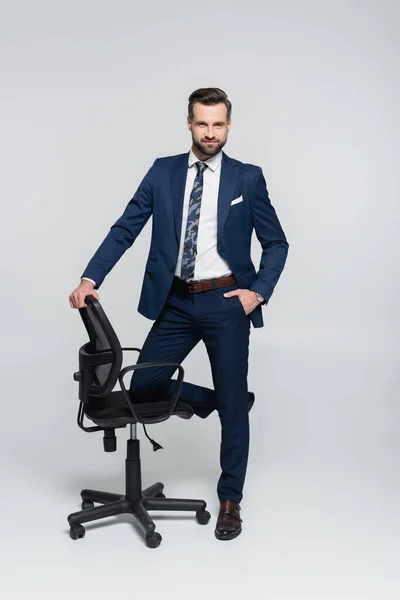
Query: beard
x=208 y=150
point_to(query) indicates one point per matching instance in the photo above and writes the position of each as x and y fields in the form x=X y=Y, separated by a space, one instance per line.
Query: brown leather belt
x=206 y=284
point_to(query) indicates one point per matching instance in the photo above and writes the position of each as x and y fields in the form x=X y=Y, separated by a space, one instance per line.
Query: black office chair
x=100 y=362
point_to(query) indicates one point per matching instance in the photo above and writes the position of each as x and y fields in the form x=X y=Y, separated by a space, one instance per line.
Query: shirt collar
x=213 y=162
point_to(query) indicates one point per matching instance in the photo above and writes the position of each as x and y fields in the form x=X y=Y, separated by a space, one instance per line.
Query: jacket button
x=172 y=268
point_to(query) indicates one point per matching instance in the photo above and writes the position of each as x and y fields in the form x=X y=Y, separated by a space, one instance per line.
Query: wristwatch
x=260 y=298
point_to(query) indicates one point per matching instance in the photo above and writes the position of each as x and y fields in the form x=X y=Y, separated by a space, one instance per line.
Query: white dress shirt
x=209 y=264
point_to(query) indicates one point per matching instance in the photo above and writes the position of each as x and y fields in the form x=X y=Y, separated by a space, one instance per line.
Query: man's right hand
x=85 y=288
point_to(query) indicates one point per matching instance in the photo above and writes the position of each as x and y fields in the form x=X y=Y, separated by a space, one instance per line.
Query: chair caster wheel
x=153 y=540
x=87 y=504
x=203 y=516
x=76 y=532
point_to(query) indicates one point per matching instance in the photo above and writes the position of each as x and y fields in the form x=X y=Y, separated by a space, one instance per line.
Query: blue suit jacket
x=161 y=194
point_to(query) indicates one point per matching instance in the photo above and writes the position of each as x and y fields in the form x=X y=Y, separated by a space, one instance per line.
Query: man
x=200 y=282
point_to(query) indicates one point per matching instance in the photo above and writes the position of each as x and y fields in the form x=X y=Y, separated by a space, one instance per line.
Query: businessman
x=200 y=282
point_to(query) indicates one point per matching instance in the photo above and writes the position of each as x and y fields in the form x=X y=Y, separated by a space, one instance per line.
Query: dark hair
x=209 y=96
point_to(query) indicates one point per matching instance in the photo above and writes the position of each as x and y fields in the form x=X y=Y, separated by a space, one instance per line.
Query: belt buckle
x=200 y=286
x=190 y=285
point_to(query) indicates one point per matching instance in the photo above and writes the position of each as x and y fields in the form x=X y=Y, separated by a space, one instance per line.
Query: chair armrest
x=175 y=393
x=135 y=349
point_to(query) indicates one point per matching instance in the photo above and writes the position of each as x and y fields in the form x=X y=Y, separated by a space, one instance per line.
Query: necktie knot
x=201 y=167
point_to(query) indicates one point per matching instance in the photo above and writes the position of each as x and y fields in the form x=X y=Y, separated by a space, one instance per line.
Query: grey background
x=91 y=93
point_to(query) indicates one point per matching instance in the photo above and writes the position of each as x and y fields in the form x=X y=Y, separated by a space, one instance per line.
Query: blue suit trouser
x=222 y=324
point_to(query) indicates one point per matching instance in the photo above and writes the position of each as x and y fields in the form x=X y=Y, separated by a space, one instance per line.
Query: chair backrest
x=100 y=360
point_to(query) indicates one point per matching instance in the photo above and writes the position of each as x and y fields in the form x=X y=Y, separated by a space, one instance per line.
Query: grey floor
x=320 y=511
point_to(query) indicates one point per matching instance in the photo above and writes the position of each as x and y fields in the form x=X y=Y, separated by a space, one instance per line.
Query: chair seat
x=112 y=410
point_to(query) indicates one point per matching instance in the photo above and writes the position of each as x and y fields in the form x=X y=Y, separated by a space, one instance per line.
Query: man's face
x=209 y=128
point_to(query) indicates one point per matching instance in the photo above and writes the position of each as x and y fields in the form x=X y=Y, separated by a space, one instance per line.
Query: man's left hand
x=248 y=298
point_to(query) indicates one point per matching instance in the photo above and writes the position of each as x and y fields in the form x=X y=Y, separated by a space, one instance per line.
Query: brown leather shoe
x=229 y=523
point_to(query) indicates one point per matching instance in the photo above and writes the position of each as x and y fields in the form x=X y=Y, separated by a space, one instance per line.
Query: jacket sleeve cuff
x=258 y=288
x=96 y=286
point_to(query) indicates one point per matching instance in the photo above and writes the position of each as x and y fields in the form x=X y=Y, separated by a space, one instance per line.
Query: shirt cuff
x=88 y=279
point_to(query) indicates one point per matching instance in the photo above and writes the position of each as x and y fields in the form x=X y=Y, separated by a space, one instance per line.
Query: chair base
x=135 y=501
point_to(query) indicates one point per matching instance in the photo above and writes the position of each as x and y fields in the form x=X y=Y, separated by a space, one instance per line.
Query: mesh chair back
x=101 y=358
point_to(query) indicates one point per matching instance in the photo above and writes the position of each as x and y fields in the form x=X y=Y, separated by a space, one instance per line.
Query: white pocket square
x=237 y=200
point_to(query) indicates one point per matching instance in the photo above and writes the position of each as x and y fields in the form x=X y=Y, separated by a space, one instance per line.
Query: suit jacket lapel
x=227 y=183
x=178 y=182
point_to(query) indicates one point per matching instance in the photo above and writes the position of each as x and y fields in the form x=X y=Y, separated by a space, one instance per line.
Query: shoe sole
x=230 y=536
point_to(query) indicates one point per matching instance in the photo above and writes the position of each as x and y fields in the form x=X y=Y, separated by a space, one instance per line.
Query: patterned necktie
x=192 y=226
